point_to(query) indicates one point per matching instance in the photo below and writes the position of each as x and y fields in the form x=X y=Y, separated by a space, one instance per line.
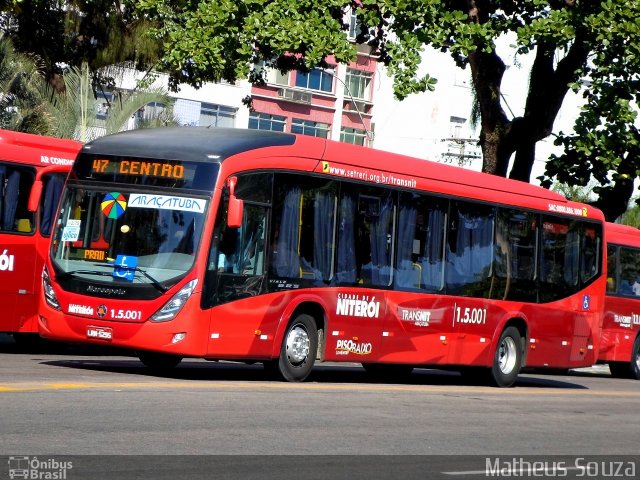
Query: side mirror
x=235 y=211
x=34 y=196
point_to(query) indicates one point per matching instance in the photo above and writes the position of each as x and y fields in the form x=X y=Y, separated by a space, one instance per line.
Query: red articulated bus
x=32 y=173
x=232 y=244
x=620 y=342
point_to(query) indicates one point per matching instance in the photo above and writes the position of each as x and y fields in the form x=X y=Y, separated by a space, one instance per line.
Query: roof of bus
x=186 y=143
x=37 y=150
x=623 y=234
x=216 y=144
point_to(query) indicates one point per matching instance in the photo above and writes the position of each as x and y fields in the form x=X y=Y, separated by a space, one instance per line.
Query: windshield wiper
x=72 y=273
x=162 y=288
x=153 y=281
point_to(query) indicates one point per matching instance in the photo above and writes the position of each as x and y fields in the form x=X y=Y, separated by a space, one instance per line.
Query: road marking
x=208 y=385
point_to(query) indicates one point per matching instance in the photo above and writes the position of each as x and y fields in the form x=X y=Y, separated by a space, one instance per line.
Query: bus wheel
x=628 y=369
x=298 y=351
x=159 y=362
x=28 y=341
x=507 y=359
x=635 y=359
x=388 y=371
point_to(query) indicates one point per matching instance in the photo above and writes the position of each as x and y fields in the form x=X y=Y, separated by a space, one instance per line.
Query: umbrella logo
x=113 y=205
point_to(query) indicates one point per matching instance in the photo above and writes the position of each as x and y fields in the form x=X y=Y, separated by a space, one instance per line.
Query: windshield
x=127 y=238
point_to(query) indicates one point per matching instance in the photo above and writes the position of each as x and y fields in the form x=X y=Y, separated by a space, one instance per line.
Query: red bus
x=32 y=169
x=620 y=342
x=231 y=244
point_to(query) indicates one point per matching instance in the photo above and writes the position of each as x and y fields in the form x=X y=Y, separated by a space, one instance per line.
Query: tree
x=107 y=35
x=569 y=40
x=21 y=87
x=605 y=143
x=28 y=103
x=74 y=110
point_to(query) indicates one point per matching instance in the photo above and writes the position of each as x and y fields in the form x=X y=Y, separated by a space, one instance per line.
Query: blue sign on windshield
x=125 y=267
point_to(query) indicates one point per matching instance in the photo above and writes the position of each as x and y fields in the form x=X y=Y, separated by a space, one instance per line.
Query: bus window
x=367 y=217
x=470 y=249
x=53 y=184
x=590 y=253
x=304 y=219
x=612 y=269
x=560 y=253
x=515 y=256
x=15 y=185
x=629 y=272
x=421 y=234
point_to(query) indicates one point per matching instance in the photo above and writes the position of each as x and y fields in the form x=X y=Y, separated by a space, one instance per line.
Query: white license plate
x=100 y=333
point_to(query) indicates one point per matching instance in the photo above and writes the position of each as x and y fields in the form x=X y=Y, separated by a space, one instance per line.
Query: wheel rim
x=297 y=345
x=507 y=355
x=637 y=359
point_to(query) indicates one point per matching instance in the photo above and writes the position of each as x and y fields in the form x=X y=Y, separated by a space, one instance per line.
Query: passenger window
x=367 y=218
x=15 y=187
x=420 y=245
x=470 y=249
x=590 y=252
x=559 y=262
x=515 y=256
x=612 y=269
x=304 y=224
x=629 y=272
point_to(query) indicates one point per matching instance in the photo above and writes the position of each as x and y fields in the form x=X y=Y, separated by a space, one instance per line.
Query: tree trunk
x=487 y=70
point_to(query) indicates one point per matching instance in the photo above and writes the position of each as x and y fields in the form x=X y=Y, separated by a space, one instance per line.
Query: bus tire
x=507 y=359
x=390 y=372
x=159 y=362
x=628 y=369
x=635 y=359
x=28 y=341
x=298 y=350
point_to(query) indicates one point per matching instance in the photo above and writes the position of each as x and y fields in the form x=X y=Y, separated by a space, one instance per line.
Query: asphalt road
x=64 y=400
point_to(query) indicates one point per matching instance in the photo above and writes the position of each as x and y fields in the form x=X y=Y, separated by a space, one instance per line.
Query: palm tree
x=75 y=108
x=28 y=103
x=22 y=106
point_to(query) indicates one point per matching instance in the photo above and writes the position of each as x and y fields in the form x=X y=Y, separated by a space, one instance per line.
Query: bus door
x=236 y=275
x=17 y=246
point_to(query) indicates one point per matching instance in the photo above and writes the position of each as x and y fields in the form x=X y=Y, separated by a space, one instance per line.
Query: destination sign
x=156 y=172
x=138 y=167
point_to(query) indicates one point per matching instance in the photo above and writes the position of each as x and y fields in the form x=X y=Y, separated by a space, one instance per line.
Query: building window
x=354 y=136
x=272 y=75
x=264 y=121
x=104 y=101
x=355 y=26
x=308 y=127
x=216 y=115
x=357 y=84
x=316 y=79
x=456 y=124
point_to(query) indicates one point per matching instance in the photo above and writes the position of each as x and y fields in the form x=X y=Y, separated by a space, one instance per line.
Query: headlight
x=173 y=306
x=47 y=289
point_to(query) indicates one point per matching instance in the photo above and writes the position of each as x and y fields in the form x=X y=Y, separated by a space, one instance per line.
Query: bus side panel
x=619 y=329
x=417 y=329
x=255 y=327
x=17 y=281
x=355 y=324
x=245 y=328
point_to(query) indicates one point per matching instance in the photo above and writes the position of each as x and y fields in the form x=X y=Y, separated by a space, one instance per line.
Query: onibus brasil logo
x=38 y=468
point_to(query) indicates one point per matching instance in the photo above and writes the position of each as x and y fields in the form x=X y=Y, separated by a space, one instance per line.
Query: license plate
x=100 y=333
